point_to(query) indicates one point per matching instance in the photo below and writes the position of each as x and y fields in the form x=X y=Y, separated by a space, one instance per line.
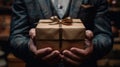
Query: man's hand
x=46 y=54
x=76 y=56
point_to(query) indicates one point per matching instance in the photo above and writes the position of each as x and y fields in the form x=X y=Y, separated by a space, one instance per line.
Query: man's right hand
x=46 y=54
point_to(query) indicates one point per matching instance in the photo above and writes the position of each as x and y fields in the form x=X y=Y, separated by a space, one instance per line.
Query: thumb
x=32 y=33
x=32 y=46
x=89 y=34
x=89 y=37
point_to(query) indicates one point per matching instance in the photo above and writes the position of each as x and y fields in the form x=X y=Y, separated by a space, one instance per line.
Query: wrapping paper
x=60 y=36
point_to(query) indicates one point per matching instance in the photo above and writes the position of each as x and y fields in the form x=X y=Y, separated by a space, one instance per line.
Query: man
x=93 y=13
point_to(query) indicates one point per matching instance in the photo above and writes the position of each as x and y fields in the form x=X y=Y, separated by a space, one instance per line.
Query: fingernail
x=56 y=51
x=72 y=48
x=65 y=51
x=49 y=49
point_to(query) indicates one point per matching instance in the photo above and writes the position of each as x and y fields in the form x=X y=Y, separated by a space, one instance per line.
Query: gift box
x=60 y=36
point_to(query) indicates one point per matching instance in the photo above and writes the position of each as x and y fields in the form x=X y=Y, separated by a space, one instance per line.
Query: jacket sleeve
x=19 y=29
x=103 y=40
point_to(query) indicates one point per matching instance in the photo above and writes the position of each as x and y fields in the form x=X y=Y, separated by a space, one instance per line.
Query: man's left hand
x=76 y=56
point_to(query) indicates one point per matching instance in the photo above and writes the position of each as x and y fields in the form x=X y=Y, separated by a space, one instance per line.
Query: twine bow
x=66 y=21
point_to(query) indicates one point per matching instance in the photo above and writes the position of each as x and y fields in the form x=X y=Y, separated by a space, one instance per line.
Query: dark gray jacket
x=26 y=13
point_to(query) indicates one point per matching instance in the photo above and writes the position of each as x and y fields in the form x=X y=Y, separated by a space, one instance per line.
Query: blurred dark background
x=8 y=60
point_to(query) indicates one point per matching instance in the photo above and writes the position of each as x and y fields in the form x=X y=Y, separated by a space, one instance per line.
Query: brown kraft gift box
x=60 y=37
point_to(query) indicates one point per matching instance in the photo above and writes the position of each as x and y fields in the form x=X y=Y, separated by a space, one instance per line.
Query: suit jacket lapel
x=45 y=7
x=74 y=9
x=31 y=7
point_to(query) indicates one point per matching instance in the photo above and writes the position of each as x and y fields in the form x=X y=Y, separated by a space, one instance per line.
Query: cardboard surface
x=60 y=36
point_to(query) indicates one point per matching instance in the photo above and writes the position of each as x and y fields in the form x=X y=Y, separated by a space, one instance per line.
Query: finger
x=89 y=34
x=70 y=61
x=44 y=51
x=54 y=60
x=79 y=52
x=71 y=55
x=61 y=56
x=51 y=56
x=32 y=46
x=88 y=43
x=32 y=33
x=82 y=52
x=89 y=48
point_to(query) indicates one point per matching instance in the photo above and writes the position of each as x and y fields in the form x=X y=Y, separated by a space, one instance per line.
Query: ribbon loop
x=56 y=20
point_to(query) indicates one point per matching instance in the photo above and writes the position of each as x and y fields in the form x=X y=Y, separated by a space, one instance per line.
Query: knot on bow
x=56 y=20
